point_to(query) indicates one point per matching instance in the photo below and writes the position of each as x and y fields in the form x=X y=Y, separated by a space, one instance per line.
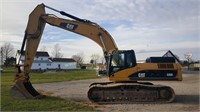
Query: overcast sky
x=150 y=27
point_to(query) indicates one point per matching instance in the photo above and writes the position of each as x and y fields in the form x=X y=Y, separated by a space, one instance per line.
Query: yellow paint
x=124 y=74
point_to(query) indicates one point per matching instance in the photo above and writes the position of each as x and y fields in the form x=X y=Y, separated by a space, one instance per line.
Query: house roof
x=141 y=56
x=170 y=54
x=38 y=53
x=39 y=61
x=63 y=60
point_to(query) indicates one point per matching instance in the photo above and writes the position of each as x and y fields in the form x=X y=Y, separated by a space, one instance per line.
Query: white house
x=42 y=61
x=62 y=63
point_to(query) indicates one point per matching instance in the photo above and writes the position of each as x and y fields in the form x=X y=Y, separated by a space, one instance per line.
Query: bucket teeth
x=23 y=89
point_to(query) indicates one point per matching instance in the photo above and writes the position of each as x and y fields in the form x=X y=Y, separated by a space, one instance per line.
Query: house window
x=39 y=64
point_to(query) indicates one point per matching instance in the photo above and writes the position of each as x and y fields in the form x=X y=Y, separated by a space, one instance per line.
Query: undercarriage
x=126 y=92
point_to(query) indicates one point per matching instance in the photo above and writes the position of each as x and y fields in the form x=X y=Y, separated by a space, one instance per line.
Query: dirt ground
x=187 y=95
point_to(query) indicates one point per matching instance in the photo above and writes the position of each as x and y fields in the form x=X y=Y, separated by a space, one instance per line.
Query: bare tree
x=79 y=58
x=7 y=51
x=56 y=51
x=95 y=58
x=1 y=55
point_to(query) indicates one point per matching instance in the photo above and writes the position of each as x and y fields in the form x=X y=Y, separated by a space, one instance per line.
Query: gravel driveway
x=187 y=95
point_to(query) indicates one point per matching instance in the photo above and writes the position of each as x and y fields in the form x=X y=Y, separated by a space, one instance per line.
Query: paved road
x=187 y=95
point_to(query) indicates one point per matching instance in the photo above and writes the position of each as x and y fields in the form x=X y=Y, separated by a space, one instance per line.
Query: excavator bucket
x=23 y=89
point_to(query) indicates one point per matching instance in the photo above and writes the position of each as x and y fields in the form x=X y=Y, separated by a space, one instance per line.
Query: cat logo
x=141 y=75
x=68 y=26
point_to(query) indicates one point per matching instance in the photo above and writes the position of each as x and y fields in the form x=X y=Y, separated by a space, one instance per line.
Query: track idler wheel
x=168 y=94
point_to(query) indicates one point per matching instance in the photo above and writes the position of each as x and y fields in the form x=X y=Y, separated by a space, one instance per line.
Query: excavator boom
x=90 y=30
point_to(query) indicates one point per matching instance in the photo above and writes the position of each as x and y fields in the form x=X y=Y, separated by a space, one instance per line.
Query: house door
x=59 y=66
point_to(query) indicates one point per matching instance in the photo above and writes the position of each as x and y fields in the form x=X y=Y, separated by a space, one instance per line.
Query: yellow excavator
x=127 y=77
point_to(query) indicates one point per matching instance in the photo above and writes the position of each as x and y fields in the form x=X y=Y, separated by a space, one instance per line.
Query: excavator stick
x=23 y=88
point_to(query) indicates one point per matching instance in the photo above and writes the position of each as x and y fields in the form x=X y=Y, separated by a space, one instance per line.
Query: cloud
x=146 y=37
x=134 y=24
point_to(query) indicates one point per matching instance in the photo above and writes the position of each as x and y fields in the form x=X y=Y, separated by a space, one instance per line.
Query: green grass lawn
x=48 y=103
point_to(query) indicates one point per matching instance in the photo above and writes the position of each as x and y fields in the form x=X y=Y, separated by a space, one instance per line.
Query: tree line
x=7 y=54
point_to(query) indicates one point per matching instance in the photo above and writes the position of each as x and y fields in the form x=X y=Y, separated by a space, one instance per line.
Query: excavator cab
x=121 y=60
x=117 y=61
